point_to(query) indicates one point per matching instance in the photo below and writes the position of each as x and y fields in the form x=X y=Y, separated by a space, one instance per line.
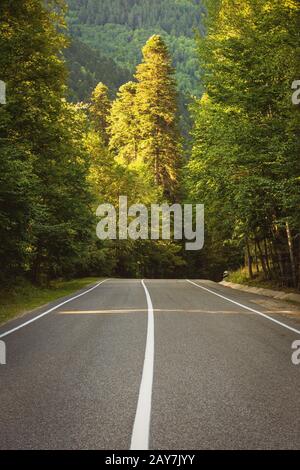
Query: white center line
x=50 y=310
x=247 y=308
x=141 y=427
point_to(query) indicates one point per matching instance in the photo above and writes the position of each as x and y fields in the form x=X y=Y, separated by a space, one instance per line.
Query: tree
x=100 y=109
x=124 y=132
x=16 y=192
x=156 y=108
x=43 y=140
x=245 y=163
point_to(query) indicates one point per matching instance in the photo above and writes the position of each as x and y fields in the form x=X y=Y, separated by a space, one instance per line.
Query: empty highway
x=158 y=364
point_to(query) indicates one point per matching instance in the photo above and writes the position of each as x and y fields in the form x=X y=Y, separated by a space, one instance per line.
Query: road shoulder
x=287 y=304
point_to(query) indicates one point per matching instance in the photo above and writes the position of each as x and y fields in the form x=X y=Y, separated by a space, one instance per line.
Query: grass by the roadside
x=241 y=276
x=25 y=297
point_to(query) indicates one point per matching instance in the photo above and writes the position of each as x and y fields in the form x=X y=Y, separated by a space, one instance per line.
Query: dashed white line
x=141 y=427
x=247 y=308
x=49 y=311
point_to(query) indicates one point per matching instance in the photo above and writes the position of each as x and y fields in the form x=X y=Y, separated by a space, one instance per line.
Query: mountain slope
x=87 y=67
x=119 y=29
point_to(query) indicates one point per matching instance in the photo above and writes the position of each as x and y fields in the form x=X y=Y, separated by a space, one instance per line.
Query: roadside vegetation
x=241 y=276
x=24 y=297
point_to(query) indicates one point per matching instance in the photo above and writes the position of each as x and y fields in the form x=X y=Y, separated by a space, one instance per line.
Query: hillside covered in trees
x=60 y=159
x=87 y=67
x=118 y=30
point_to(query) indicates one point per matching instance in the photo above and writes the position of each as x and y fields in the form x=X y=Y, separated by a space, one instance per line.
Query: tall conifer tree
x=156 y=108
x=123 y=124
x=100 y=110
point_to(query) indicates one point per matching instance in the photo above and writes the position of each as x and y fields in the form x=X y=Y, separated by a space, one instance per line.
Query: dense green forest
x=92 y=119
x=87 y=67
x=118 y=29
x=245 y=163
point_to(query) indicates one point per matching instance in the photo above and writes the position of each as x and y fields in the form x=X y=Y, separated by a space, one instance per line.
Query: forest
x=119 y=29
x=93 y=111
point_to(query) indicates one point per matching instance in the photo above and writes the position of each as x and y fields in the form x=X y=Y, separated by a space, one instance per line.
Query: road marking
x=247 y=308
x=142 y=310
x=50 y=310
x=96 y=312
x=141 y=427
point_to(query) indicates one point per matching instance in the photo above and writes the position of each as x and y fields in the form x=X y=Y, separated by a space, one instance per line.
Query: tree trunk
x=262 y=259
x=267 y=258
x=278 y=252
x=256 y=258
x=36 y=267
x=249 y=259
x=274 y=258
x=291 y=252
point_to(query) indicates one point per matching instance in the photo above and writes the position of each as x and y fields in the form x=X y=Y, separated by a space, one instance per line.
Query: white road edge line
x=247 y=308
x=50 y=310
x=141 y=427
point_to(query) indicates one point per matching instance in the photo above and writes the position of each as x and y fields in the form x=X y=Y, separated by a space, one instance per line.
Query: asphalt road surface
x=158 y=364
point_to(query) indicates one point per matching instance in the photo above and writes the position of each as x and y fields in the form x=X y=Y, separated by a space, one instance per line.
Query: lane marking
x=96 y=312
x=247 y=308
x=141 y=427
x=142 y=310
x=50 y=310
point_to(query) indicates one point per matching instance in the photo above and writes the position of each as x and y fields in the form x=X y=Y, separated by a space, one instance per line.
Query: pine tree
x=100 y=110
x=156 y=109
x=124 y=134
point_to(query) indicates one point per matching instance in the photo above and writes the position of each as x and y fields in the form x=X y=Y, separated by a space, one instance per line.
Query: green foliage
x=124 y=135
x=45 y=195
x=245 y=164
x=176 y=16
x=123 y=45
x=23 y=297
x=156 y=110
x=16 y=194
x=141 y=158
x=87 y=67
x=100 y=110
x=118 y=30
x=143 y=128
x=114 y=32
x=60 y=160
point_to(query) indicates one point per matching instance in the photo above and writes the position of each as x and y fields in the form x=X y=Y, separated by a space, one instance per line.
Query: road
x=168 y=364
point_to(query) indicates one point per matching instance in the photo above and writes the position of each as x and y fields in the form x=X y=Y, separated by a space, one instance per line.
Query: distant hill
x=87 y=67
x=118 y=29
